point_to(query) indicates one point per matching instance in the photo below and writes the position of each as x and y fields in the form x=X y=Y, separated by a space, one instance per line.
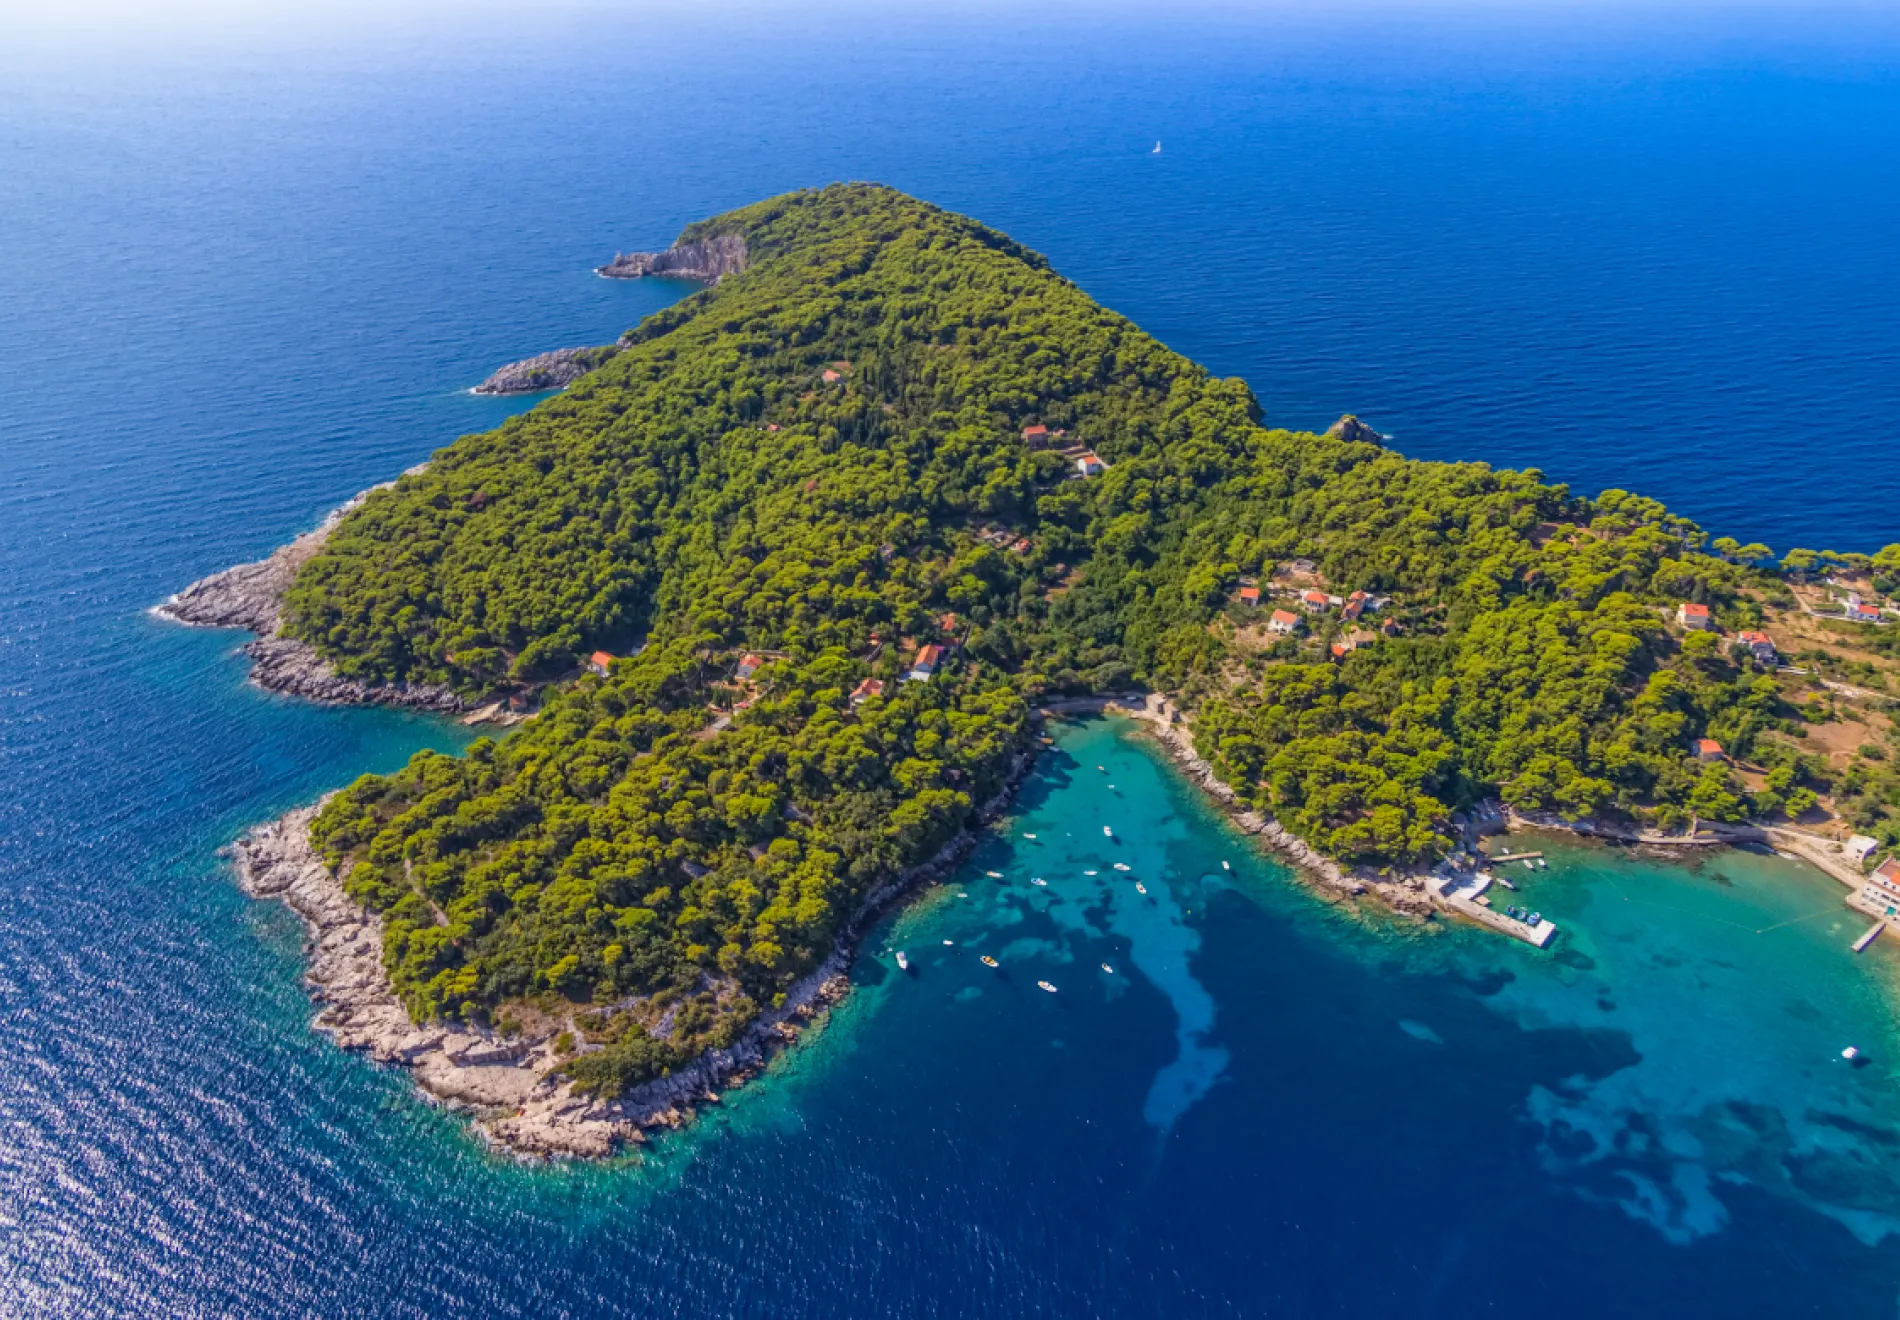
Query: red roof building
x=863 y=692
x=1708 y=749
x=831 y=377
x=1250 y=595
x=749 y=666
x=1316 y=600
x=1692 y=616
x=1035 y=435
x=1283 y=621
x=600 y=662
x=1355 y=606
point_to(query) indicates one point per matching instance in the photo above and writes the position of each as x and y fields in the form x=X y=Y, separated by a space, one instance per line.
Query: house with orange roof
x=600 y=662
x=748 y=666
x=921 y=668
x=863 y=692
x=1249 y=595
x=1692 y=616
x=1283 y=621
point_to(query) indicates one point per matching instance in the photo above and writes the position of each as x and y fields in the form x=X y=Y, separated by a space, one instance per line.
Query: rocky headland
x=510 y=1085
x=545 y=371
x=710 y=261
x=251 y=596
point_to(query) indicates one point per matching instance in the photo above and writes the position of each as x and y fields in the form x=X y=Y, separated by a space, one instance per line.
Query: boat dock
x=1873 y=933
x=1458 y=891
x=1515 y=857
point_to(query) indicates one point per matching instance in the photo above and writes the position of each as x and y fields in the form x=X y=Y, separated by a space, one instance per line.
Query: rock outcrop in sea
x=1351 y=428
x=545 y=371
x=712 y=261
x=251 y=596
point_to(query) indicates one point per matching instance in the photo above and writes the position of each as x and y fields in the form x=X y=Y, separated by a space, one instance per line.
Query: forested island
x=780 y=582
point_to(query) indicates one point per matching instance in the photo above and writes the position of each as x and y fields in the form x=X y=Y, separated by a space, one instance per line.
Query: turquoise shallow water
x=246 y=279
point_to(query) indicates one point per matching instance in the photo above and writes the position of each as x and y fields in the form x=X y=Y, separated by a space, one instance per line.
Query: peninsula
x=781 y=580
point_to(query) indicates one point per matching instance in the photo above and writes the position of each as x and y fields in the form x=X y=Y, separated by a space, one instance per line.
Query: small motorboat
x=1029 y=836
x=1156 y=151
x=1225 y=867
x=1046 y=986
x=1534 y=918
x=1108 y=832
x=1040 y=881
x=1108 y=969
x=1122 y=866
x=903 y=963
x=1090 y=873
x=947 y=943
x=1140 y=888
x=988 y=961
x=961 y=894
x=1102 y=768
x=994 y=875
x=1851 y=1053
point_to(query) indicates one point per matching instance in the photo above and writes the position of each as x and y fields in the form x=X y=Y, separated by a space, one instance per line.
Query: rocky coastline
x=545 y=371
x=251 y=596
x=711 y=261
x=509 y=1085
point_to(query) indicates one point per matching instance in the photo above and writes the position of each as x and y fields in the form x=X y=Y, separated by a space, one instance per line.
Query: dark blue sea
x=249 y=267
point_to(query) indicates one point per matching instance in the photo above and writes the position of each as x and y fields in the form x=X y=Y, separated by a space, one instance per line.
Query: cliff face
x=545 y=371
x=711 y=261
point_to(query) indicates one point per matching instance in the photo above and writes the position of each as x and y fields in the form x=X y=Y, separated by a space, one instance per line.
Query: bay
x=249 y=275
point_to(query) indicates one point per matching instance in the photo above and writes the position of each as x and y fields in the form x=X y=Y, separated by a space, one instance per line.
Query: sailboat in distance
x=1157 y=150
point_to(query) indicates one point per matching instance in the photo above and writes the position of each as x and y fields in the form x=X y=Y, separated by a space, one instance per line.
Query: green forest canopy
x=709 y=492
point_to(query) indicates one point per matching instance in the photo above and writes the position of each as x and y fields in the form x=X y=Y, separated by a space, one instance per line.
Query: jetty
x=1873 y=933
x=1515 y=857
x=1459 y=891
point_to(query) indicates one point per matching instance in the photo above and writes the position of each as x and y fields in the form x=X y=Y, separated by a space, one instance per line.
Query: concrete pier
x=1458 y=891
x=1873 y=933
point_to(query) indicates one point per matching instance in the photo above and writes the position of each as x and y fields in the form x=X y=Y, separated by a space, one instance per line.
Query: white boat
x=1029 y=836
x=1156 y=151
x=961 y=894
x=1088 y=873
x=1225 y=867
x=1140 y=888
x=1121 y=866
x=1108 y=832
x=1108 y=969
x=1040 y=881
x=903 y=963
x=1046 y=986
x=994 y=875
x=947 y=942
x=988 y=961
x=1851 y=1053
